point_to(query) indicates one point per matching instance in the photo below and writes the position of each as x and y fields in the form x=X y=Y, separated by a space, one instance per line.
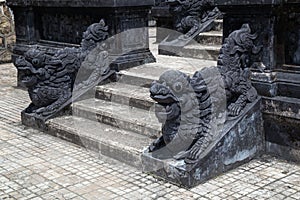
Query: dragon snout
x=20 y=62
x=154 y=89
x=159 y=88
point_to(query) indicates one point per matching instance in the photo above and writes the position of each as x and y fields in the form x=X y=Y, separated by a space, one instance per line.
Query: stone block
x=242 y=139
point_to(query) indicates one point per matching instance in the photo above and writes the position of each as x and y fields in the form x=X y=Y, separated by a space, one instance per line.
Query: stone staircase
x=206 y=46
x=117 y=120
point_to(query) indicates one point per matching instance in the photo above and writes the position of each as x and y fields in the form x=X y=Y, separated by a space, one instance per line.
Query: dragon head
x=239 y=45
x=31 y=67
x=184 y=108
x=95 y=33
x=170 y=94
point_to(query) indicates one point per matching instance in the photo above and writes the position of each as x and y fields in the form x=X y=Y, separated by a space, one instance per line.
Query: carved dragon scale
x=185 y=105
x=50 y=79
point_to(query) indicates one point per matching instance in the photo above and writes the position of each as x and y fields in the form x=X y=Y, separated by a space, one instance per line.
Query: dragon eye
x=177 y=87
x=35 y=61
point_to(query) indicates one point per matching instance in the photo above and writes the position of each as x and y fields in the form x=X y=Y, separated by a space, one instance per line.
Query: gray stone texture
x=69 y=19
x=7 y=33
x=34 y=165
x=276 y=72
x=240 y=141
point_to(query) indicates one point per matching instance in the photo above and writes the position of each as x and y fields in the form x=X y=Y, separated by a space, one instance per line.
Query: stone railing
x=276 y=74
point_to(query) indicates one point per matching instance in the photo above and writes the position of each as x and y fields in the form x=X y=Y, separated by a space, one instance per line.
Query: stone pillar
x=7 y=34
x=164 y=20
x=276 y=74
x=55 y=24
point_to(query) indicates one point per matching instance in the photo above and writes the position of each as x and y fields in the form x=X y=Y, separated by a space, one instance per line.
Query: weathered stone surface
x=7 y=33
x=53 y=82
x=281 y=123
x=118 y=115
x=122 y=145
x=192 y=20
x=144 y=75
x=70 y=18
x=130 y=95
x=275 y=73
x=80 y=3
x=242 y=139
x=194 y=50
x=193 y=109
x=37 y=165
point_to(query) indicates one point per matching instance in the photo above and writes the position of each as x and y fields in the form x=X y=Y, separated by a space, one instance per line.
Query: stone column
x=276 y=74
x=164 y=20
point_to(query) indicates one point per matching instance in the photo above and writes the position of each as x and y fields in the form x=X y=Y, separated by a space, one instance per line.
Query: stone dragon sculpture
x=191 y=14
x=187 y=106
x=50 y=78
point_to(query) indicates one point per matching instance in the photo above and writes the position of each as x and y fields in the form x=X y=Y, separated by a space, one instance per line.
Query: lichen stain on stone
x=240 y=156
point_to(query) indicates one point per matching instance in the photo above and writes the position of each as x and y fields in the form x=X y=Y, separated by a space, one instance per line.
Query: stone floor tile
x=38 y=166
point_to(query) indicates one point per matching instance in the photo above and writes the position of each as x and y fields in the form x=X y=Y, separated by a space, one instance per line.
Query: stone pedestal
x=55 y=24
x=241 y=140
x=276 y=74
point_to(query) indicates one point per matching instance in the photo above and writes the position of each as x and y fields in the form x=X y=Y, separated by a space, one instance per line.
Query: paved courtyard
x=34 y=165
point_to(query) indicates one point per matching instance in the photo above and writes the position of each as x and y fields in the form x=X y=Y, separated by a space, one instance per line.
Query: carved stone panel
x=63 y=27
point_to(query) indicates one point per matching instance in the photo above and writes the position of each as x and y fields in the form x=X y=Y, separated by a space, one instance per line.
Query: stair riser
x=195 y=53
x=106 y=118
x=218 y=26
x=99 y=147
x=201 y=54
x=209 y=40
x=130 y=101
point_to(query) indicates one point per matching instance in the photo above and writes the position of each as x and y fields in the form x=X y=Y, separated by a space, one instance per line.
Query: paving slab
x=35 y=165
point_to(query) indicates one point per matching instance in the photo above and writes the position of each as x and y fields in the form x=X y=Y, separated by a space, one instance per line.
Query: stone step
x=195 y=50
x=135 y=96
x=201 y=51
x=210 y=38
x=144 y=75
x=218 y=25
x=122 y=145
x=118 y=115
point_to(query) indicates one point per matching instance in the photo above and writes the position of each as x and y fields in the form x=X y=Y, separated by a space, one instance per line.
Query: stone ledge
x=81 y=3
x=247 y=2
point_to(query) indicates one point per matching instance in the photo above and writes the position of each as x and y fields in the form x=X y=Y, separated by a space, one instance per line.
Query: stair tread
x=154 y=70
x=219 y=20
x=122 y=139
x=212 y=33
x=121 y=112
x=131 y=91
x=204 y=47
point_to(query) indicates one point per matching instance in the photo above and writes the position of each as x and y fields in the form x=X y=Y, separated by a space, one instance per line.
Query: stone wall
x=7 y=33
